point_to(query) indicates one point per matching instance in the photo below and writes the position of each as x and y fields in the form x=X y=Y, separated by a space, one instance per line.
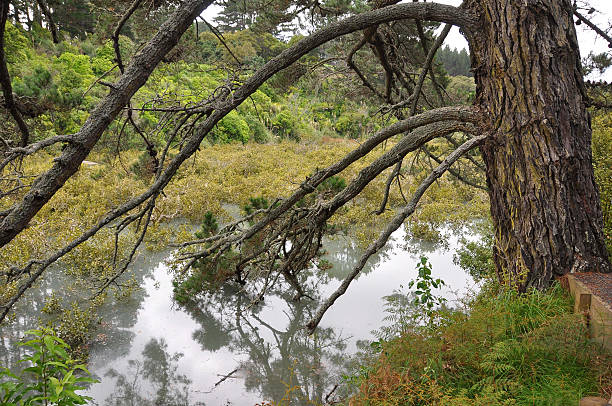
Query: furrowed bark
x=544 y=200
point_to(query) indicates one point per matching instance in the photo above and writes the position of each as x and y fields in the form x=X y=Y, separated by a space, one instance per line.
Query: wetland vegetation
x=177 y=221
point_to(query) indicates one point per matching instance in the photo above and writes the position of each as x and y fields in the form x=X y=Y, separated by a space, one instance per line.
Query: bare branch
x=414 y=98
x=395 y=223
x=117 y=31
x=13 y=153
x=595 y=28
x=454 y=172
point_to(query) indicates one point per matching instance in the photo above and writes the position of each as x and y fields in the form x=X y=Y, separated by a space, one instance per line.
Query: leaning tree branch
x=442 y=115
x=595 y=28
x=143 y=63
x=5 y=80
x=309 y=223
x=67 y=164
x=395 y=223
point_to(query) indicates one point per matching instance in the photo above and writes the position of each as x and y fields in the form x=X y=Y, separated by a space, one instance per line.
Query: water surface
x=224 y=349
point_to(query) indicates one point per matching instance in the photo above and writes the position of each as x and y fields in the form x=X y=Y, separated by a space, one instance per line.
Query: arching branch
x=303 y=227
x=467 y=114
x=397 y=221
x=135 y=76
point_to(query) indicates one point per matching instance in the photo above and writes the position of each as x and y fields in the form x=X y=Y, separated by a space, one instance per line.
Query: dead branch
x=16 y=152
x=397 y=221
x=595 y=28
x=117 y=31
x=414 y=98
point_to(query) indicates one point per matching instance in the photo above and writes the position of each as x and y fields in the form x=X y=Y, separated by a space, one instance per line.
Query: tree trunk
x=544 y=200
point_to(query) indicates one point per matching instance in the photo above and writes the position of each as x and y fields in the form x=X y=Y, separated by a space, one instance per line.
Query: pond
x=225 y=349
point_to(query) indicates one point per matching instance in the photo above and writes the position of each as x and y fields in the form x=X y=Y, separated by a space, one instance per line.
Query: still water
x=225 y=350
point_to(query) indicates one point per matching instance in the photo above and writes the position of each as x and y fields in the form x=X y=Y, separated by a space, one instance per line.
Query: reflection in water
x=153 y=381
x=226 y=347
x=278 y=358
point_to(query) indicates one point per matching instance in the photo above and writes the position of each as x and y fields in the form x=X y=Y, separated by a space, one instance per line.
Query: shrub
x=602 y=167
x=231 y=128
x=285 y=125
x=351 y=125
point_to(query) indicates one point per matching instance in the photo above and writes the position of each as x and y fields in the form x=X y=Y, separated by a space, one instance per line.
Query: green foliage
x=476 y=257
x=209 y=226
x=333 y=184
x=413 y=311
x=424 y=284
x=50 y=376
x=258 y=129
x=351 y=125
x=502 y=348
x=455 y=62
x=602 y=168
x=17 y=46
x=461 y=89
x=231 y=128
x=285 y=124
x=255 y=203
x=205 y=275
x=596 y=63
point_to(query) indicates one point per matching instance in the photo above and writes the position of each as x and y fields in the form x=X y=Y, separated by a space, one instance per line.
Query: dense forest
x=268 y=160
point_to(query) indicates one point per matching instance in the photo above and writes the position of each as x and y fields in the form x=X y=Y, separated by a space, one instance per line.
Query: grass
x=502 y=348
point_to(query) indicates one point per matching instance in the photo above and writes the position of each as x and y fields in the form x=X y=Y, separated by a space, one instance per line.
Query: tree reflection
x=283 y=363
x=151 y=381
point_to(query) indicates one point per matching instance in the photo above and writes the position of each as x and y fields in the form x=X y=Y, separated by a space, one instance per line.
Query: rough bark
x=544 y=200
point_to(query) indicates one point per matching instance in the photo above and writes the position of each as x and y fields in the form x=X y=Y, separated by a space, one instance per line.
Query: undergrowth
x=502 y=348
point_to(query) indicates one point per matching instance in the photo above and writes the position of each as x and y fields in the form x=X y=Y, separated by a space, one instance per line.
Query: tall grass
x=503 y=348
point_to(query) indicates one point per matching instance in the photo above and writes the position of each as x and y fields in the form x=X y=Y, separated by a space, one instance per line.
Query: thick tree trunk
x=544 y=201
